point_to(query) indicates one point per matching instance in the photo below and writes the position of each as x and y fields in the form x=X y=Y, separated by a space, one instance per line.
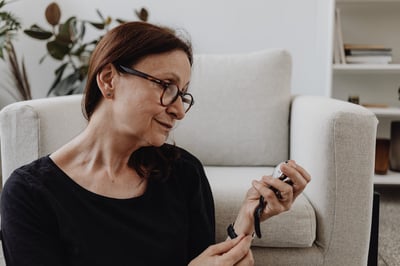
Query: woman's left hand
x=274 y=205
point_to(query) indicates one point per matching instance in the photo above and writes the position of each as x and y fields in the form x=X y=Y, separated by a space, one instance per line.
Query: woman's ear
x=105 y=80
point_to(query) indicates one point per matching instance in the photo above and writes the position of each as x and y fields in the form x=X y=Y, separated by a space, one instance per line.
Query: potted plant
x=65 y=42
x=20 y=90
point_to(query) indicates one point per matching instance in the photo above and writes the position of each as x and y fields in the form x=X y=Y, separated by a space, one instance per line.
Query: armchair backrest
x=241 y=111
x=31 y=129
x=240 y=116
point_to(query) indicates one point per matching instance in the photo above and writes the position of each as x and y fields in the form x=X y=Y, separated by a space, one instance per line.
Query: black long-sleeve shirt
x=48 y=219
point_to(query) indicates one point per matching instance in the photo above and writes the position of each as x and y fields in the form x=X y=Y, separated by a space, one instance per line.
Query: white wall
x=301 y=26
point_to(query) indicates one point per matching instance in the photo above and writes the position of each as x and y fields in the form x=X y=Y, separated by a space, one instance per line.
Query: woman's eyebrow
x=177 y=79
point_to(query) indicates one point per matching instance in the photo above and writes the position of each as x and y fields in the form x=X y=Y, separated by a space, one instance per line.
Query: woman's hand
x=231 y=252
x=244 y=223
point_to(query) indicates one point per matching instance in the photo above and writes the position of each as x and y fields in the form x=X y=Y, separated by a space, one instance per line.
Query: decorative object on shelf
x=354 y=99
x=398 y=92
x=65 y=42
x=394 y=154
x=382 y=156
x=9 y=26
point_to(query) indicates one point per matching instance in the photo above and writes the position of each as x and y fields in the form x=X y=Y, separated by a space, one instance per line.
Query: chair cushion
x=294 y=228
x=241 y=110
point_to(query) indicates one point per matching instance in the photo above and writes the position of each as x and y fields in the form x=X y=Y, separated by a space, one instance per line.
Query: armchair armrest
x=335 y=141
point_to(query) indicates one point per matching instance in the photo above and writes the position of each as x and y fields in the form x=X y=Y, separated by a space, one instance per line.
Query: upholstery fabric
x=33 y=129
x=335 y=141
x=241 y=109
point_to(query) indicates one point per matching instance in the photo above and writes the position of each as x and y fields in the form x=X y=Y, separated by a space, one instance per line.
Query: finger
x=223 y=247
x=274 y=206
x=300 y=169
x=298 y=180
x=304 y=173
x=282 y=189
x=238 y=252
x=246 y=260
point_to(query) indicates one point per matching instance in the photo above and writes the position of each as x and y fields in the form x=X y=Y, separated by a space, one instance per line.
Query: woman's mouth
x=166 y=125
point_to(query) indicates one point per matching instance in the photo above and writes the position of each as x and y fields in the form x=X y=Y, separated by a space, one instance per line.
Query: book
x=375 y=59
x=351 y=46
x=377 y=52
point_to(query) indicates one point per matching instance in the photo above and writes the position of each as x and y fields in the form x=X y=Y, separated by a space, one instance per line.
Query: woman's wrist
x=244 y=223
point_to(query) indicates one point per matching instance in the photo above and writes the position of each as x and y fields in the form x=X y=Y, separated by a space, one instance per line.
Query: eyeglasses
x=170 y=92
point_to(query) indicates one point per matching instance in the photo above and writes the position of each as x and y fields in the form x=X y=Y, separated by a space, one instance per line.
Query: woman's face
x=136 y=103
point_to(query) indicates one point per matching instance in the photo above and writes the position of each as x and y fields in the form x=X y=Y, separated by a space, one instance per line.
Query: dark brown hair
x=127 y=44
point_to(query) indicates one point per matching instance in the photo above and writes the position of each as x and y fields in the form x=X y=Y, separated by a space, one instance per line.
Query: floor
x=389 y=226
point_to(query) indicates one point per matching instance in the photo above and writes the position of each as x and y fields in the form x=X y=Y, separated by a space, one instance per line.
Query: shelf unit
x=391 y=178
x=372 y=22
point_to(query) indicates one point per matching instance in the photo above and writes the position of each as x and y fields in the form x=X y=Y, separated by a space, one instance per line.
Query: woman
x=117 y=194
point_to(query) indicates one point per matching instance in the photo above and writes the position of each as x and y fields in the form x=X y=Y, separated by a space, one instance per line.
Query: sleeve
x=27 y=229
x=200 y=208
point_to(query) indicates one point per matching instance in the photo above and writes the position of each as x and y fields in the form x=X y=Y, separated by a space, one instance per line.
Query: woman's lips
x=165 y=124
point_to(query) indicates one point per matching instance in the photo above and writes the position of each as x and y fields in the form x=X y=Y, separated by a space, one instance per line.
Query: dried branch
x=19 y=74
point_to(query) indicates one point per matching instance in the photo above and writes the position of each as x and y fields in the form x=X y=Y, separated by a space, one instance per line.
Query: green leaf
x=121 y=21
x=83 y=31
x=60 y=70
x=142 y=14
x=100 y=15
x=67 y=31
x=59 y=73
x=80 y=50
x=99 y=26
x=67 y=85
x=57 y=49
x=56 y=80
x=37 y=32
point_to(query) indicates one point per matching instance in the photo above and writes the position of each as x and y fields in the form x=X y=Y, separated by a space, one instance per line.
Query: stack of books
x=367 y=54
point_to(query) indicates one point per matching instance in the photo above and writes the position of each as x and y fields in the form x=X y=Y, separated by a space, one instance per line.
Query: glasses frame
x=161 y=83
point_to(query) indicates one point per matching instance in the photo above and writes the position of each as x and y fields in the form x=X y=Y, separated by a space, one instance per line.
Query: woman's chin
x=159 y=141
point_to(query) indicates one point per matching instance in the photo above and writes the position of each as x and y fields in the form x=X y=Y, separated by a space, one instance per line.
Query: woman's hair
x=127 y=44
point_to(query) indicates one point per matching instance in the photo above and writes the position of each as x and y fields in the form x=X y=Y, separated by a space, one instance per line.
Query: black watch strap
x=231 y=232
x=257 y=215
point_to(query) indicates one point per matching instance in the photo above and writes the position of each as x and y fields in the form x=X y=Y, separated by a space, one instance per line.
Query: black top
x=48 y=219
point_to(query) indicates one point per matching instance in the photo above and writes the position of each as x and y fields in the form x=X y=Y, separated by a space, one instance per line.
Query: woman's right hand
x=228 y=253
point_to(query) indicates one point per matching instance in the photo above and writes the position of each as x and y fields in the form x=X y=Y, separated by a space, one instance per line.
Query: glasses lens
x=171 y=93
x=187 y=101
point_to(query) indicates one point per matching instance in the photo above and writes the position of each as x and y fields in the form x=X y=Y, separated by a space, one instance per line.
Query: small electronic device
x=262 y=204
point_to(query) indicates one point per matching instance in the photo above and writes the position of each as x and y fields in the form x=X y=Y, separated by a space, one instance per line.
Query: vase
x=382 y=156
x=394 y=155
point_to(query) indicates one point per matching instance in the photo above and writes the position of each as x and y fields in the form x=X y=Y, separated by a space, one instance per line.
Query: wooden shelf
x=366 y=68
x=386 y=112
x=391 y=178
x=367 y=1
